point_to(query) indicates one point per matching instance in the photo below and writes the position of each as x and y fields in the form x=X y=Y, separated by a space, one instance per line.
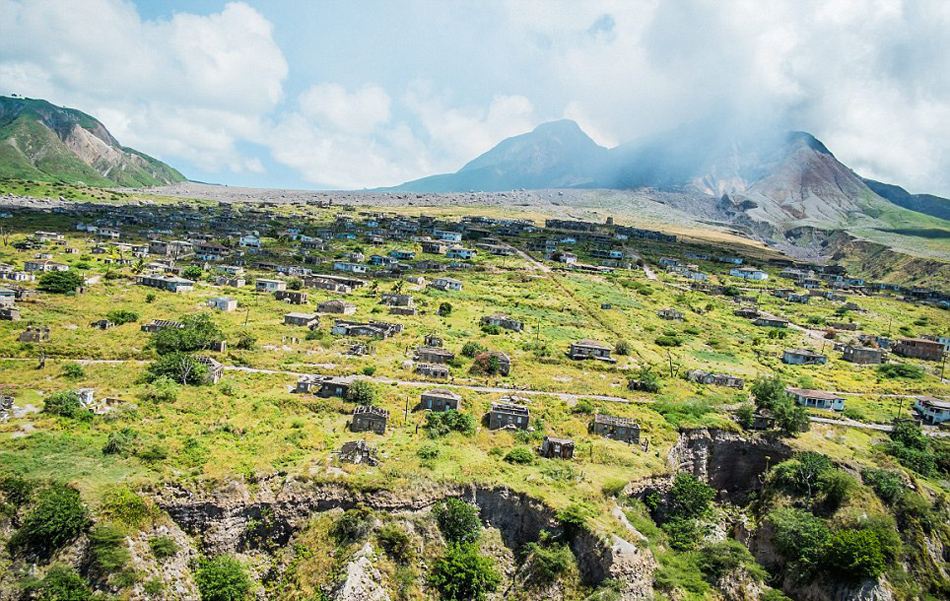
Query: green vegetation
x=122 y=316
x=58 y=517
x=60 y=282
x=163 y=547
x=66 y=404
x=441 y=423
x=362 y=392
x=222 y=578
x=464 y=574
x=457 y=520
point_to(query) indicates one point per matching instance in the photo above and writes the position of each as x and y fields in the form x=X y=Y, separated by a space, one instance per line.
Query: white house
x=262 y=285
x=350 y=267
x=932 y=409
x=816 y=399
x=447 y=284
x=749 y=273
x=222 y=303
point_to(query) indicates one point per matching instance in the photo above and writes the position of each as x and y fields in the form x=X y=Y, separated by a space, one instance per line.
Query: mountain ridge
x=41 y=141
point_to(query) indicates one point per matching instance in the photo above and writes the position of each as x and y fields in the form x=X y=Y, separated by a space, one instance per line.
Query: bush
x=613 y=488
x=73 y=371
x=520 y=456
x=768 y=391
x=689 y=497
x=162 y=390
x=573 y=518
x=122 y=316
x=245 y=342
x=120 y=443
x=369 y=370
x=837 y=487
x=900 y=370
x=314 y=334
x=150 y=298
x=353 y=526
x=58 y=517
x=583 y=406
x=445 y=309
x=394 y=539
x=182 y=368
x=362 y=392
x=126 y=507
x=457 y=520
x=667 y=341
x=60 y=282
x=725 y=557
x=856 y=554
x=163 y=547
x=198 y=334
x=745 y=416
x=683 y=534
x=791 y=418
x=547 y=564
x=108 y=551
x=192 y=272
x=294 y=284
x=801 y=475
x=428 y=451
x=463 y=574
x=622 y=348
x=471 y=348
x=17 y=490
x=888 y=486
x=440 y=423
x=647 y=380
x=801 y=538
x=222 y=578
x=66 y=404
x=61 y=583
x=491 y=329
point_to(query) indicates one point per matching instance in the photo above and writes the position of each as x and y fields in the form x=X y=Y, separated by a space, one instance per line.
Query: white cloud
x=359 y=112
x=190 y=87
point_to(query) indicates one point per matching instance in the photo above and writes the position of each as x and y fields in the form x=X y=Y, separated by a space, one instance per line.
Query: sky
x=347 y=94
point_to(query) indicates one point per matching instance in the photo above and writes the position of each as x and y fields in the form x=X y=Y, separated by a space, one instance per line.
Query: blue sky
x=352 y=94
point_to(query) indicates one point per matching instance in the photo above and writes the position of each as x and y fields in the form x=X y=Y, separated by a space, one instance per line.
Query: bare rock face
x=616 y=559
x=361 y=580
x=173 y=572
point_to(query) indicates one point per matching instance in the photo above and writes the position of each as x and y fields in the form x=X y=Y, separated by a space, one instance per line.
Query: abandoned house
x=336 y=306
x=771 y=321
x=670 y=314
x=262 y=285
x=322 y=386
x=704 y=377
x=557 y=448
x=357 y=452
x=440 y=399
x=169 y=283
x=223 y=303
x=508 y=415
x=919 y=348
x=213 y=368
x=157 y=325
x=367 y=418
x=816 y=399
x=102 y=324
x=801 y=356
x=591 y=349
x=616 y=428
x=432 y=370
x=502 y=321
x=430 y=354
x=864 y=355
x=306 y=320
x=294 y=297
x=35 y=334
x=446 y=284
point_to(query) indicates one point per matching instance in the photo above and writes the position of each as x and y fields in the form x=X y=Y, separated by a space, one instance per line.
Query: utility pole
x=407 y=410
x=247 y=314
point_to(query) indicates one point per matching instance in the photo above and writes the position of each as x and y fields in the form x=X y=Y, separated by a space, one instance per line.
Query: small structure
x=102 y=324
x=367 y=418
x=771 y=321
x=322 y=386
x=557 y=448
x=440 y=399
x=617 y=428
x=446 y=284
x=864 y=355
x=376 y=329
x=357 y=452
x=816 y=399
x=919 y=348
x=336 y=306
x=169 y=283
x=306 y=320
x=9 y=314
x=213 y=368
x=294 y=297
x=35 y=334
x=502 y=321
x=432 y=340
x=157 y=325
x=433 y=370
x=705 y=377
x=398 y=300
x=670 y=314
x=591 y=349
x=932 y=410
x=802 y=356
x=223 y=303
x=434 y=355
x=749 y=273
x=262 y=285
x=508 y=415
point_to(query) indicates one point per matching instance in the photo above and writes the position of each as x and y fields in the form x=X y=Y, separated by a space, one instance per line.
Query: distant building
x=369 y=419
x=616 y=428
x=440 y=399
x=433 y=370
x=336 y=306
x=591 y=349
x=446 y=284
x=35 y=334
x=157 y=325
x=503 y=321
x=932 y=410
x=864 y=355
x=771 y=321
x=816 y=399
x=263 y=285
x=222 y=303
x=294 y=297
x=749 y=273
x=434 y=355
x=508 y=415
x=322 y=386
x=670 y=314
x=919 y=348
x=306 y=320
x=169 y=283
x=707 y=378
x=801 y=356
x=557 y=448
x=213 y=369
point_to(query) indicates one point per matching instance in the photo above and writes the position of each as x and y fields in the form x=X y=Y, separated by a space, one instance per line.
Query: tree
x=856 y=554
x=58 y=517
x=60 y=282
x=791 y=417
x=889 y=486
x=457 y=520
x=294 y=284
x=179 y=367
x=66 y=404
x=440 y=423
x=802 y=474
x=801 y=538
x=463 y=574
x=768 y=391
x=445 y=309
x=362 y=392
x=192 y=272
x=198 y=333
x=122 y=316
x=222 y=578
x=472 y=348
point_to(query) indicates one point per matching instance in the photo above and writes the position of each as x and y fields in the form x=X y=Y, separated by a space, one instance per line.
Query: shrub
x=683 y=534
x=369 y=370
x=162 y=390
x=471 y=348
x=58 y=517
x=856 y=554
x=362 y=392
x=121 y=442
x=16 y=490
x=126 y=507
x=294 y=284
x=179 y=366
x=150 y=298
x=199 y=333
x=440 y=423
x=583 y=406
x=192 y=272
x=153 y=454
x=486 y=364
x=491 y=329
x=725 y=557
x=889 y=486
x=520 y=455
x=457 y=520
x=791 y=418
x=163 y=547
x=573 y=518
x=801 y=475
x=353 y=526
x=745 y=416
x=667 y=341
x=801 y=538
x=613 y=488
x=61 y=583
x=122 y=316
x=245 y=342
x=428 y=451
x=394 y=539
x=547 y=564
x=768 y=391
x=647 y=380
x=900 y=370
x=463 y=574
x=314 y=334
x=73 y=371
x=445 y=309
x=622 y=348
x=60 y=282
x=107 y=549
x=66 y=404
x=689 y=497
x=222 y=578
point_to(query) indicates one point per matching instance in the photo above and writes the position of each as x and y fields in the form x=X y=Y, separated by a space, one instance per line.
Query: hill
x=40 y=141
